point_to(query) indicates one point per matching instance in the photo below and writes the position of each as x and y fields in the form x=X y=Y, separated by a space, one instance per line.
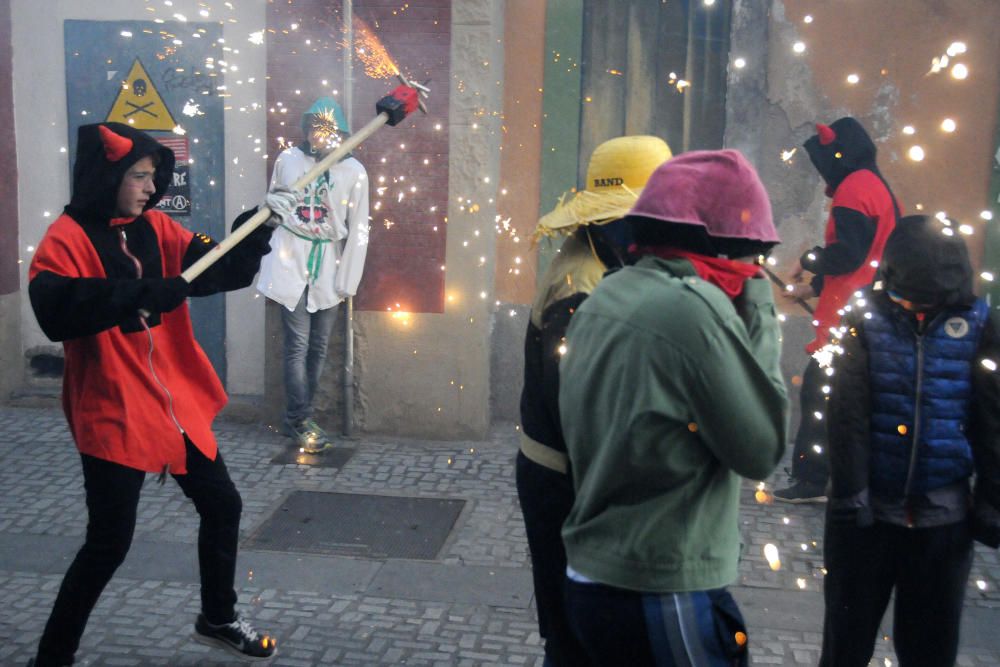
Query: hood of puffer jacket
x=840 y=149
x=104 y=152
x=927 y=262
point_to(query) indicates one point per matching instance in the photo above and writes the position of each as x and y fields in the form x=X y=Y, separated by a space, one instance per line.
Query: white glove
x=282 y=203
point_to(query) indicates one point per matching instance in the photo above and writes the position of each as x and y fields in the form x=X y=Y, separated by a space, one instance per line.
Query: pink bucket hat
x=717 y=190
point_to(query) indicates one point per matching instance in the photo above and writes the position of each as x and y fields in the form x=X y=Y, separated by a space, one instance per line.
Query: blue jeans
x=307 y=336
x=621 y=627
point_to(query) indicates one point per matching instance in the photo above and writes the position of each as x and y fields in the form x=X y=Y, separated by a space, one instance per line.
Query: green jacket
x=669 y=393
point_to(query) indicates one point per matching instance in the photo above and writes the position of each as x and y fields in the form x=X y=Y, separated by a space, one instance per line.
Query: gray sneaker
x=308 y=435
x=801 y=492
x=238 y=638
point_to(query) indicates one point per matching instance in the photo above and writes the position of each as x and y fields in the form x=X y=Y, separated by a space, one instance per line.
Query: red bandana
x=727 y=274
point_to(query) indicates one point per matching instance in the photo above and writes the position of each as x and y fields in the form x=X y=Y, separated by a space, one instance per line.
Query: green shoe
x=311 y=438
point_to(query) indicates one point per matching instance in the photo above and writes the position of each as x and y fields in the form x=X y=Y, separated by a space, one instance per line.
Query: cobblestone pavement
x=470 y=606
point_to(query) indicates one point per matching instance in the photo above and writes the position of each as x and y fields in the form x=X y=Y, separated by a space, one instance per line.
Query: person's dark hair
x=693 y=238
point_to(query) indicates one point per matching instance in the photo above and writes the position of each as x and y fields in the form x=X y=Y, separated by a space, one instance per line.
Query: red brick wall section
x=8 y=161
x=407 y=243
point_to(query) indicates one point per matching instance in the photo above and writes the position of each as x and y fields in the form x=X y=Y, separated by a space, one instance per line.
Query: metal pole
x=349 y=60
x=348 y=383
x=348 y=367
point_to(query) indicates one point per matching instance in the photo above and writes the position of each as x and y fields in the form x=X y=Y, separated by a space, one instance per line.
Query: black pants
x=808 y=465
x=546 y=497
x=112 y=498
x=927 y=567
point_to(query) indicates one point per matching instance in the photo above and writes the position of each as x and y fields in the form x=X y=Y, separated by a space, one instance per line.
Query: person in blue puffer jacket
x=913 y=416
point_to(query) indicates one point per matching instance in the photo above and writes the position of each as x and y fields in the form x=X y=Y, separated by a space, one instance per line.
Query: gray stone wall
x=510 y=321
x=11 y=360
x=429 y=374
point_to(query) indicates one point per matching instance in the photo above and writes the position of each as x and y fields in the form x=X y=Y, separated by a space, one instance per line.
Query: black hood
x=851 y=142
x=96 y=176
x=927 y=262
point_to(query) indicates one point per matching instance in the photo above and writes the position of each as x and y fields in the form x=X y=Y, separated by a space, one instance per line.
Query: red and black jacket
x=862 y=215
x=132 y=386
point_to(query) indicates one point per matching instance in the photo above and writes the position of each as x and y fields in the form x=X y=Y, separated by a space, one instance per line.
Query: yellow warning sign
x=139 y=104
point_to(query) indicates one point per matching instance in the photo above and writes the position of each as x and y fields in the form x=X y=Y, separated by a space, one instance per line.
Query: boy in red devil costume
x=138 y=392
x=862 y=215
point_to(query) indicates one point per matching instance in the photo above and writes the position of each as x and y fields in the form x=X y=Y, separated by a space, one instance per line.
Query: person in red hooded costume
x=138 y=391
x=863 y=213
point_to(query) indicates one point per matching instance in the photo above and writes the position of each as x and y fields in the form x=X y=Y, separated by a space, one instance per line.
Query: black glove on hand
x=161 y=295
x=985 y=522
x=258 y=242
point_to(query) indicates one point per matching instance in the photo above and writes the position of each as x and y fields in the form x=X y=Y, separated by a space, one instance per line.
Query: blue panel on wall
x=134 y=71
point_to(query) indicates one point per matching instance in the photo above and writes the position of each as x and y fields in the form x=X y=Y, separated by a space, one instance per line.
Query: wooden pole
x=261 y=216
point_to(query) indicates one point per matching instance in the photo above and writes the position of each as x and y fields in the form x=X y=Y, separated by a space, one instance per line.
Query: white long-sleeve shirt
x=333 y=208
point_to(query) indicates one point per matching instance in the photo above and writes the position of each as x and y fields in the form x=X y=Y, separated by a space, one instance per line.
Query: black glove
x=161 y=295
x=985 y=523
x=257 y=243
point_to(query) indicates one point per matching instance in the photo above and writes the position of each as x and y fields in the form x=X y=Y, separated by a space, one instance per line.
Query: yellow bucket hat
x=618 y=170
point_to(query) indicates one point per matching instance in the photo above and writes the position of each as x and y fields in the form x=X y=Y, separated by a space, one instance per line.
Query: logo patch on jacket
x=956 y=327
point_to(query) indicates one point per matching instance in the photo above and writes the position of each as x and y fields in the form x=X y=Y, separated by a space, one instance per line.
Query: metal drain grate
x=331 y=458
x=366 y=526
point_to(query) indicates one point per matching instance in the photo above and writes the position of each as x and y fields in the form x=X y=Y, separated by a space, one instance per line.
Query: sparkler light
x=371 y=52
x=771 y=554
x=678 y=83
x=761 y=495
x=324 y=125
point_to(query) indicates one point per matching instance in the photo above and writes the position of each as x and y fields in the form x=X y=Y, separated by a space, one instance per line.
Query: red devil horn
x=115 y=145
x=826 y=134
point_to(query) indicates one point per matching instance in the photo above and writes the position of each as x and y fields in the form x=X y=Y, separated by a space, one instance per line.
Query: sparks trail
x=371 y=52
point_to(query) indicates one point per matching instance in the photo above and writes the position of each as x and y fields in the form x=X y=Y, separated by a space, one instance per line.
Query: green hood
x=328 y=109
